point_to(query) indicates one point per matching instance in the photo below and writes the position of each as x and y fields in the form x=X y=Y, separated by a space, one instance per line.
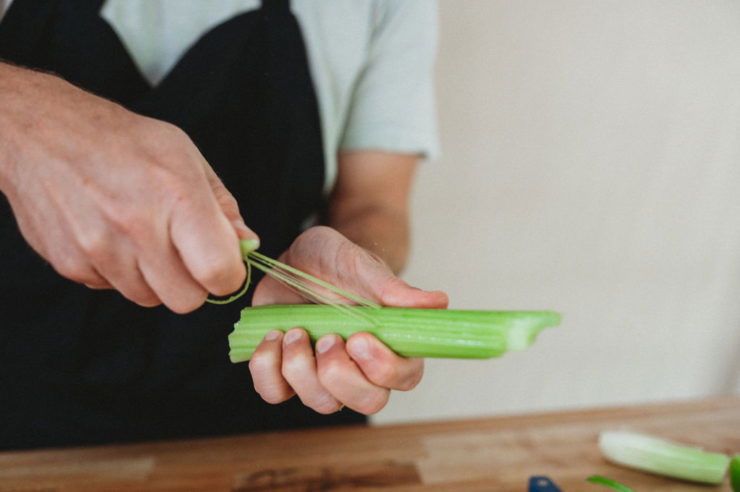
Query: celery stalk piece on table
x=409 y=332
x=662 y=457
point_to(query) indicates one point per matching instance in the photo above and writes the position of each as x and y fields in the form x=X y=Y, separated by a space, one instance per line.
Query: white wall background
x=591 y=165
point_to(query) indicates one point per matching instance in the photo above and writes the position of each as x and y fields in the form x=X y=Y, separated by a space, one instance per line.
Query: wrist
x=384 y=235
x=9 y=88
x=22 y=99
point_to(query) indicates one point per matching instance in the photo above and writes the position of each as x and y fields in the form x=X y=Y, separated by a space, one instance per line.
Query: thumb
x=228 y=205
x=374 y=279
x=398 y=293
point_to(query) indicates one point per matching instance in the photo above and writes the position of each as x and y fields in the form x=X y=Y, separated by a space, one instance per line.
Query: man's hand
x=359 y=373
x=113 y=199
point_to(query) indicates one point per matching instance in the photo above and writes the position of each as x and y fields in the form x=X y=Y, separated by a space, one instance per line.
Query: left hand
x=358 y=373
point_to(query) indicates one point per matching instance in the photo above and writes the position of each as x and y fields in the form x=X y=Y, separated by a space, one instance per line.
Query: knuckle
x=184 y=308
x=411 y=381
x=172 y=152
x=97 y=285
x=187 y=302
x=260 y=363
x=293 y=367
x=142 y=298
x=219 y=188
x=330 y=373
x=73 y=268
x=95 y=245
x=404 y=380
x=148 y=302
x=226 y=200
x=372 y=403
x=325 y=405
x=132 y=221
x=218 y=275
x=273 y=396
x=384 y=374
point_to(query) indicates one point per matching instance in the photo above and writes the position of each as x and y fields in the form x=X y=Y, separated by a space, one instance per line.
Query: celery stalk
x=655 y=455
x=409 y=332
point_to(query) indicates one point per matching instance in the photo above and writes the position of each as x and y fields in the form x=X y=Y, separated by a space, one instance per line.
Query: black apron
x=79 y=366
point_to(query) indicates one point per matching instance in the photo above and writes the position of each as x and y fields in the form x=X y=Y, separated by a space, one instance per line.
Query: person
x=137 y=141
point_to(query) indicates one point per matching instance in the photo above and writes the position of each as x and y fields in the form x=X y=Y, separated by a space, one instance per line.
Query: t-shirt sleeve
x=392 y=105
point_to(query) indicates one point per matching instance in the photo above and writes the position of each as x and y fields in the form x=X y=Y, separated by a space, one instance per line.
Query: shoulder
x=361 y=19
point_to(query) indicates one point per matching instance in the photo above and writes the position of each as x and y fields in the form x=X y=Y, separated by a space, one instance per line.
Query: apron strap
x=23 y=27
x=276 y=5
x=26 y=26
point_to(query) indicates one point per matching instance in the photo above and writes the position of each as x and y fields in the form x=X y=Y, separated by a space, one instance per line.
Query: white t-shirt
x=371 y=61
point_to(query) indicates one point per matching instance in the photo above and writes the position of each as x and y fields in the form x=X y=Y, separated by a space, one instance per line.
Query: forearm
x=369 y=203
x=11 y=80
x=29 y=100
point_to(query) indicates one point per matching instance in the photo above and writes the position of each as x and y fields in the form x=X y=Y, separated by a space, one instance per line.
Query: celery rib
x=655 y=455
x=409 y=332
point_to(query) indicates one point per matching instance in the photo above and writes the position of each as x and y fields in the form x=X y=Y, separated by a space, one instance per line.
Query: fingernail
x=272 y=335
x=360 y=349
x=324 y=344
x=292 y=336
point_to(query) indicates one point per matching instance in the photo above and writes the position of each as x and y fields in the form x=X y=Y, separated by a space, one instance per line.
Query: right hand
x=113 y=199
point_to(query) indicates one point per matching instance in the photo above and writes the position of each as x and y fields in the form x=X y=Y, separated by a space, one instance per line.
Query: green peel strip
x=254 y=257
x=297 y=280
x=238 y=294
x=300 y=282
x=608 y=482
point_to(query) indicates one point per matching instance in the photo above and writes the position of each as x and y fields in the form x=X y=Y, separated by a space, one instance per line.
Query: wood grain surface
x=493 y=454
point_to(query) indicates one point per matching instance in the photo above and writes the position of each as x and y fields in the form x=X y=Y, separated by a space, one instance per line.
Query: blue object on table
x=542 y=484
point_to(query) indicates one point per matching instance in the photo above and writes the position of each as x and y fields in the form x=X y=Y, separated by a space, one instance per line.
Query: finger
x=120 y=269
x=264 y=365
x=98 y=282
x=82 y=272
x=99 y=285
x=166 y=275
x=207 y=243
x=228 y=204
x=131 y=285
x=299 y=369
x=66 y=257
x=93 y=280
x=344 y=380
x=381 y=365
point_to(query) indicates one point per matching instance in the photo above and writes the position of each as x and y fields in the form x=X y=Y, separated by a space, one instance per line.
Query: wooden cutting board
x=493 y=454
